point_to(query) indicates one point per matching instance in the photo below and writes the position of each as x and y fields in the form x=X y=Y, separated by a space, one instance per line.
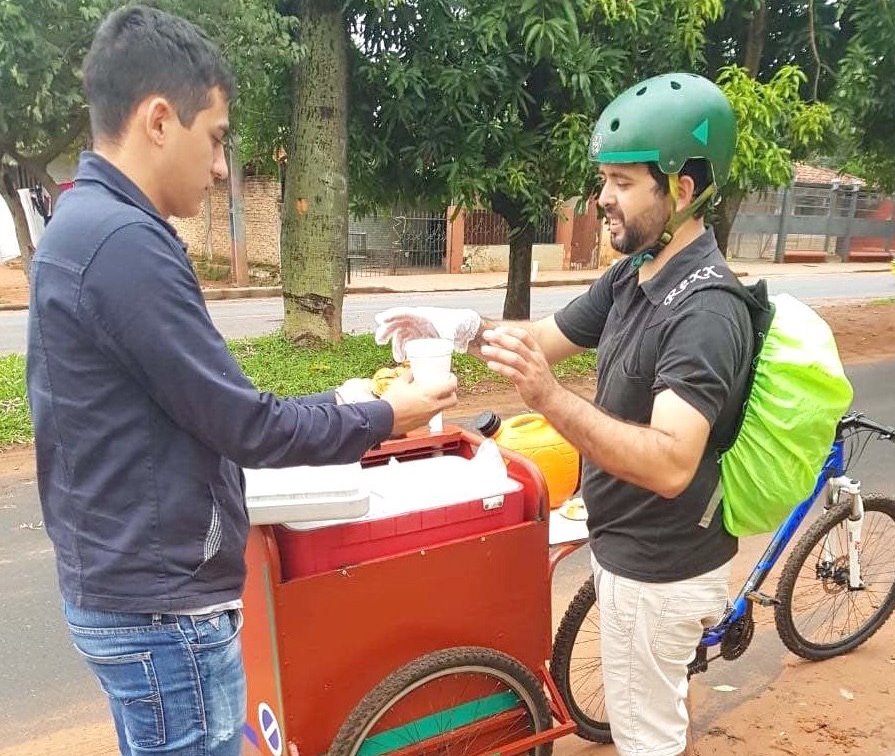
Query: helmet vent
x=675 y=85
x=614 y=125
x=641 y=91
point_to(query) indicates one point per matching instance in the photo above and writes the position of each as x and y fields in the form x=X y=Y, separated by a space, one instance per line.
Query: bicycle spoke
x=825 y=609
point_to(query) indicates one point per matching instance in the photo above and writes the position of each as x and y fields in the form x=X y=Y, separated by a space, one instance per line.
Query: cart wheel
x=460 y=700
x=577 y=668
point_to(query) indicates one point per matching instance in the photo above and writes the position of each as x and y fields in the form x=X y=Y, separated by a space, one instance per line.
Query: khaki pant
x=649 y=633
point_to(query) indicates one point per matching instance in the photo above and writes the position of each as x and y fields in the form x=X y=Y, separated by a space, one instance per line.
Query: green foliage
x=15 y=422
x=865 y=92
x=775 y=125
x=274 y=364
x=43 y=44
x=481 y=101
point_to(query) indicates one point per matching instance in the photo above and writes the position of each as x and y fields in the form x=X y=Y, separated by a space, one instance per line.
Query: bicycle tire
x=587 y=717
x=785 y=616
x=518 y=679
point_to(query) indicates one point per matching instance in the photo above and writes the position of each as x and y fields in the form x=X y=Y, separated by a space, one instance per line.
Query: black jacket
x=142 y=418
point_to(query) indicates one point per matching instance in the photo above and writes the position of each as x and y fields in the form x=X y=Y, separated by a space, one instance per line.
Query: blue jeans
x=175 y=682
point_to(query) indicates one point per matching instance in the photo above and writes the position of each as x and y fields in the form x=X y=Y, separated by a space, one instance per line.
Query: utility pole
x=239 y=264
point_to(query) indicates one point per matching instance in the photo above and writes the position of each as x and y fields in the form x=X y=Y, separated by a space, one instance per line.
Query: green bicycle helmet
x=668 y=120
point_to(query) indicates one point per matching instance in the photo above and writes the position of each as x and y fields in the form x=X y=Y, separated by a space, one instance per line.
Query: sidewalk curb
x=245 y=292
x=482 y=287
x=258 y=292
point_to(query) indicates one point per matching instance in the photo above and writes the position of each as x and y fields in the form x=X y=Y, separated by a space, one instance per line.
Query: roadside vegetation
x=274 y=364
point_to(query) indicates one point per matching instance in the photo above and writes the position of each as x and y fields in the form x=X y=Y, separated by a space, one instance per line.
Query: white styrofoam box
x=300 y=494
x=400 y=487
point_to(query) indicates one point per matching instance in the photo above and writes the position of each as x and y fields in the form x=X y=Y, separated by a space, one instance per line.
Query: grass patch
x=883 y=301
x=274 y=364
x=15 y=420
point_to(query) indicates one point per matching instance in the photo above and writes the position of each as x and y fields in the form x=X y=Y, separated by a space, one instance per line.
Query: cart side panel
x=264 y=710
x=341 y=633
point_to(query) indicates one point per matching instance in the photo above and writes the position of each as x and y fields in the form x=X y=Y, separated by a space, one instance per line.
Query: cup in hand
x=430 y=360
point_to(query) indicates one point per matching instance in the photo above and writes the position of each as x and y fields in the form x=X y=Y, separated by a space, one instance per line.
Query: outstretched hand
x=514 y=354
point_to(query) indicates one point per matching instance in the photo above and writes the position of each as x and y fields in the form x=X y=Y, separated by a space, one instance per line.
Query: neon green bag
x=798 y=395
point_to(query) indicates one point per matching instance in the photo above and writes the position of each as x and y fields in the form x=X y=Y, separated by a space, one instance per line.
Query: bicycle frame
x=834 y=467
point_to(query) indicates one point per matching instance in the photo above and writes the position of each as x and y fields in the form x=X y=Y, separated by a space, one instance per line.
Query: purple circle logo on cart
x=270 y=729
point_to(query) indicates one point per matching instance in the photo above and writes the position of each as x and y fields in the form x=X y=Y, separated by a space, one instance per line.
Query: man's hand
x=514 y=354
x=414 y=404
x=402 y=324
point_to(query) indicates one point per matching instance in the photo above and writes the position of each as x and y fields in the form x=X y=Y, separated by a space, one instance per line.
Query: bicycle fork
x=840 y=487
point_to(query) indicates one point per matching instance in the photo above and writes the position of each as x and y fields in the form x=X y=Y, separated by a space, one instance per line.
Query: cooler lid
x=305 y=493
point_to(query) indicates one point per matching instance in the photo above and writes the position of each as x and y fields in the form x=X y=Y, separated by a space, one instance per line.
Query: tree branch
x=79 y=122
x=812 y=38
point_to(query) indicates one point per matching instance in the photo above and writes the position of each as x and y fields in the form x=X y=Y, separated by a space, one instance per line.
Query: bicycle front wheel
x=818 y=615
x=464 y=700
x=577 y=667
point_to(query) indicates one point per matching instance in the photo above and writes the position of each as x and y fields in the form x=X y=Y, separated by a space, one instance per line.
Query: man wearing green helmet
x=673 y=355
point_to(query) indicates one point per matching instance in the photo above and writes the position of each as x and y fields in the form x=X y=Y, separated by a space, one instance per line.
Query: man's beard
x=640 y=233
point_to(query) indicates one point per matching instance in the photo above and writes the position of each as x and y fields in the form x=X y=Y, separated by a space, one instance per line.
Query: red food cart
x=421 y=633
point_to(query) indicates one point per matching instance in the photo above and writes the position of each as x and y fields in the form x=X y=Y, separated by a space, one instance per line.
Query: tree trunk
x=725 y=215
x=517 y=303
x=11 y=196
x=755 y=40
x=314 y=234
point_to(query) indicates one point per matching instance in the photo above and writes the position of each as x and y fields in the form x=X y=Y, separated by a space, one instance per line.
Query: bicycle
x=834 y=557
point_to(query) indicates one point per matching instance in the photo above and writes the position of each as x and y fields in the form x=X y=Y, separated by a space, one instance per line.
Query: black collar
x=681 y=265
x=95 y=168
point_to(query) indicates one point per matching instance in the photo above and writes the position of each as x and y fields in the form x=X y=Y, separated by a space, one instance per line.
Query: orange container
x=534 y=437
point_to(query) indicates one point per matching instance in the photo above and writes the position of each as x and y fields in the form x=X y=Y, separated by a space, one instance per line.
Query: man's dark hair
x=697 y=169
x=140 y=51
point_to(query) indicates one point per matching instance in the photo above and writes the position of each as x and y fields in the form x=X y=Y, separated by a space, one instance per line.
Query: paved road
x=252 y=317
x=44 y=686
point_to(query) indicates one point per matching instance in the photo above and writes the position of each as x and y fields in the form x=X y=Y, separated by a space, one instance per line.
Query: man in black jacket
x=142 y=417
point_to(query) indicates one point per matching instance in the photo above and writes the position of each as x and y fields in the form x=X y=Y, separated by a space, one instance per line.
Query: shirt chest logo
x=702 y=274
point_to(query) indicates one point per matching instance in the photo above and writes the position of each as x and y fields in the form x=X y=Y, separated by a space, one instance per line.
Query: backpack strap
x=761 y=313
x=712 y=506
x=755 y=297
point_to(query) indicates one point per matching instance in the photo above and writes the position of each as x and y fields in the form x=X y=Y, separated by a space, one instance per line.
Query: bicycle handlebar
x=857 y=420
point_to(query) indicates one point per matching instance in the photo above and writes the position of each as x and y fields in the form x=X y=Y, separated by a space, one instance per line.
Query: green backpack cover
x=797 y=396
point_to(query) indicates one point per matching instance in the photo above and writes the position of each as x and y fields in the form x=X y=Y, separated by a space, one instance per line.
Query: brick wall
x=208 y=234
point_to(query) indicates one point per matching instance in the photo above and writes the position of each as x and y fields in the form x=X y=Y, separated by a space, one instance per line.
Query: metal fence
x=406 y=242
x=825 y=220
x=484 y=227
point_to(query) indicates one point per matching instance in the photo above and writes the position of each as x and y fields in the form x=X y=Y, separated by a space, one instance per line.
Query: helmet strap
x=675 y=219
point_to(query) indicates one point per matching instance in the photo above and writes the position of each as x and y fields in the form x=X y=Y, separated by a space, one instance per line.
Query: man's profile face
x=194 y=156
x=634 y=205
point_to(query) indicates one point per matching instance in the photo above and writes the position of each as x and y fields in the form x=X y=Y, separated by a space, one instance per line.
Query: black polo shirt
x=672 y=332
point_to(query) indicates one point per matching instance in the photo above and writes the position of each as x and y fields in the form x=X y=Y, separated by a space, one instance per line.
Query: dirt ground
x=13 y=284
x=842 y=706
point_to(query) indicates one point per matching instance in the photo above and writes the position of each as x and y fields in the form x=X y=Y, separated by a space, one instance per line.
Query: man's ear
x=686 y=187
x=157 y=116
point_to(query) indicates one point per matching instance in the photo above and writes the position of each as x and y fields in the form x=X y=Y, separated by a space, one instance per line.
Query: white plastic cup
x=430 y=361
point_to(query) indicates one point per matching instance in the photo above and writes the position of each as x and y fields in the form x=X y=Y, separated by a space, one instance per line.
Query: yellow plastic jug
x=533 y=436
